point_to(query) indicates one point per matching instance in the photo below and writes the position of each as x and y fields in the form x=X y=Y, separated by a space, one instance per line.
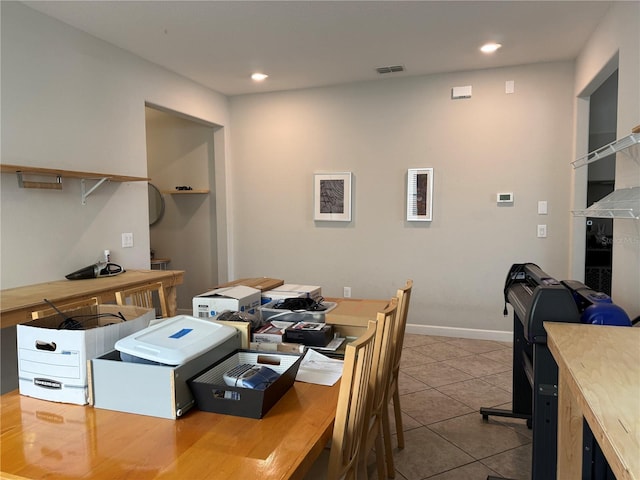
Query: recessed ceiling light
x=258 y=77
x=490 y=47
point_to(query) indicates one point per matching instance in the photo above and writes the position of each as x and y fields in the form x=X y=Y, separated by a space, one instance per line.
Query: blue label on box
x=181 y=333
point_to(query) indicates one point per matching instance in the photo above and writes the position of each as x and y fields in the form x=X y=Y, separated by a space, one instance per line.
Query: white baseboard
x=497 y=335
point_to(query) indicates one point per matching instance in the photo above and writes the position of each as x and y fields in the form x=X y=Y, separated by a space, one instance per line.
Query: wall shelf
x=100 y=178
x=610 y=149
x=621 y=203
x=195 y=191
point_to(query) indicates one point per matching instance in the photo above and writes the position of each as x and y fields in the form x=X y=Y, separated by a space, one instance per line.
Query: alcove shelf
x=195 y=191
x=100 y=178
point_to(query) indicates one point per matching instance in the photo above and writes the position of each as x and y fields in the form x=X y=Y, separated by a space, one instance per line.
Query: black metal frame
x=534 y=399
x=536 y=298
x=521 y=394
x=594 y=463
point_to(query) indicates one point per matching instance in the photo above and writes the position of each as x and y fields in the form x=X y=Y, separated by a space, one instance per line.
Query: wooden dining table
x=42 y=439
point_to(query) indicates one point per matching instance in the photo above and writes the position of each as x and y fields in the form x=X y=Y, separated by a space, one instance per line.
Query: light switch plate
x=127 y=240
x=509 y=86
x=542 y=231
x=542 y=207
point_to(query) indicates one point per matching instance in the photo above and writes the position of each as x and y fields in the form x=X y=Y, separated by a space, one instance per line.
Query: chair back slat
x=404 y=297
x=392 y=393
x=143 y=297
x=384 y=353
x=47 y=312
x=353 y=404
x=372 y=436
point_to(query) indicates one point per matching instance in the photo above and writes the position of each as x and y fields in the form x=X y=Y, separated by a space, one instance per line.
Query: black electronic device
x=95 y=271
x=247 y=375
x=313 y=334
x=536 y=297
x=301 y=304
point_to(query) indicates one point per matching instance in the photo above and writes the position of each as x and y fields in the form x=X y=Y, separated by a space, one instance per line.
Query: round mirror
x=156 y=205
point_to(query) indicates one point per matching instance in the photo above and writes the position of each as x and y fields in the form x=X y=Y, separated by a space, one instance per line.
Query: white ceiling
x=314 y=43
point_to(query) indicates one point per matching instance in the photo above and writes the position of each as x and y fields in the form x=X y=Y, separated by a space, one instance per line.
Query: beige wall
x=493 y=142
x=71 y=101
x=615 y=43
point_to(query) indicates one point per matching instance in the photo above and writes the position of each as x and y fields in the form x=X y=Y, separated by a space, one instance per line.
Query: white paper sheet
x=320 y=369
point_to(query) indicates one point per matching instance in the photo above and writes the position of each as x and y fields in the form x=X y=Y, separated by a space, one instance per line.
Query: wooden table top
x=54 y=440
x=601 y=366
x=16 y=304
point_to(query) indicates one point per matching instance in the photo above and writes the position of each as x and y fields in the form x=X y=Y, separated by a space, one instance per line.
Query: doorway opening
x=181 y=165
x=603 y=110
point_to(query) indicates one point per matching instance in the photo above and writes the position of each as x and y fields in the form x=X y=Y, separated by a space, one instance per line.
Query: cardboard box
x=289 y=290
x=271 y=333
x=309 y=333
x=269 y=313
x=261 y=283
x=154 y=390
x=214 y=395
x=237 y=299
x=52 y=362
x=354 y=312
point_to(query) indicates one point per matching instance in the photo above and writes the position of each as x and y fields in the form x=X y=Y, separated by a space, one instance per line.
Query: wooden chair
x=143 y=297
x=353 y=404
x=404 y=296
x=373 y=434
x=47 y=312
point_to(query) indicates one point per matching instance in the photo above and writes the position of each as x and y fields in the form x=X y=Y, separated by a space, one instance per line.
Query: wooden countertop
x=16 y=304
x=600 y=366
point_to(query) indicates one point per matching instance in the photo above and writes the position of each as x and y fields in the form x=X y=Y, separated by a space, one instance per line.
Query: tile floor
x=443 y=383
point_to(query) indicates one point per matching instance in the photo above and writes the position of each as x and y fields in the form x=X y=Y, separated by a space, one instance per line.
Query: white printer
x=147 y=373
x=174 y=341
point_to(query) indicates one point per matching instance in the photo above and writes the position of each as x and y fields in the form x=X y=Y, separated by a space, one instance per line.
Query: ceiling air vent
x=390 y=69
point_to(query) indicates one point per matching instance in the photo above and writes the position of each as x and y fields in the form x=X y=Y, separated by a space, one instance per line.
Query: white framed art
x=332 y=197
x=420 y=194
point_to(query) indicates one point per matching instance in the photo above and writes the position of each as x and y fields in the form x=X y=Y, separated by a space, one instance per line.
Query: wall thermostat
x=506 y=197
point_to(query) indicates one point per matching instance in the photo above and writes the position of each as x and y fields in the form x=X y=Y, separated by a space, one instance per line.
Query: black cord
x=515 y=270
x=67 y=323
x=301 y=304
x=73 y=323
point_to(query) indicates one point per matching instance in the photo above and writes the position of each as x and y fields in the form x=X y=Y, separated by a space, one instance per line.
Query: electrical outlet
x=347 y=292
x=127 y=240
